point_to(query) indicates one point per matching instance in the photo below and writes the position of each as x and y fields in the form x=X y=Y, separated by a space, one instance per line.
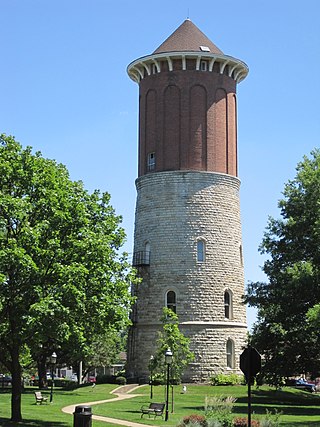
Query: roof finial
x=188 y=17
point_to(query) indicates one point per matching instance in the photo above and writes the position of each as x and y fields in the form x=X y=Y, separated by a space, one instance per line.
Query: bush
x=214 y=423
x=243 y=422
x=121 y=373
x=158 y=379
x=226 y=379
x=270 y=419
x=219 y=405
x=102 y=379
x=219 y=409
x=106 y=379
x=121 y=380
x=193 y=420
x=111 y=379
x=72 y=385
x=59 y=382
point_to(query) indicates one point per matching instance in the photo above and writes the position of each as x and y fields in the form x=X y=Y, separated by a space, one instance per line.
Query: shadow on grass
x=281 y=397
x=4 y=422
x=133 y=411
x=290 y=403
x=45 y=391
x=300 y=424
x=195 y=408
x=287 y=410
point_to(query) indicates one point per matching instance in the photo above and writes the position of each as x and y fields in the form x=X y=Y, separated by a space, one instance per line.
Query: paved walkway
x=121 y=393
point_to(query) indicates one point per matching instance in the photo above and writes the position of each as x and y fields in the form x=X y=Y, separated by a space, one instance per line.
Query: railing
x=141 y=258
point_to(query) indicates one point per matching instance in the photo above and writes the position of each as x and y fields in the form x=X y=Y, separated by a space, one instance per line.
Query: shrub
x=243 y=422
x=158 y=379
x=193 y=420
x=60 y=382
x=219 y=409
x=220 y=421
x=72 y=385
x=214 y=423
x=271 y=420
x=103 y=379
x=219 y=404
x=106 y=379
x=226 y=379
x=121 y=381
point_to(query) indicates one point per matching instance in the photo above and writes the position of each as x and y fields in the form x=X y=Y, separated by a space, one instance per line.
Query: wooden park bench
x=39 y=398
x=155 y=409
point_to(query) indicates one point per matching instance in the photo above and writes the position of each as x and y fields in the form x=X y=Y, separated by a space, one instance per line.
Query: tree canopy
x=62 y=279
x=285 y=333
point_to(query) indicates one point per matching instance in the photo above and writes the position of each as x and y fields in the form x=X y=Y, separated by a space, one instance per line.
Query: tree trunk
x=16 y=386
x=78 y=372
x=42 y=372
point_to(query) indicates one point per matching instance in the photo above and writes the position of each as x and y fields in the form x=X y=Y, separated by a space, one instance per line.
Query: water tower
x=187 y=239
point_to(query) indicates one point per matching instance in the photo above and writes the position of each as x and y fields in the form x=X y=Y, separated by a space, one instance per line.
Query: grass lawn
x=299 y=408
x=50 y=415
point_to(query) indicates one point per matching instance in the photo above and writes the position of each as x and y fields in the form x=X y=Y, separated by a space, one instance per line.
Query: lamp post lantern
x=53 y=361
x=151 y=376
x=168 y=360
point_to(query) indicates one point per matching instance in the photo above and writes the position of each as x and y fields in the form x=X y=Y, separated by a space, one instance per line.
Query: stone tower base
x=175 y=210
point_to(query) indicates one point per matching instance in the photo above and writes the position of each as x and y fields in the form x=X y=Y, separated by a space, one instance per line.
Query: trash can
x=82 y=416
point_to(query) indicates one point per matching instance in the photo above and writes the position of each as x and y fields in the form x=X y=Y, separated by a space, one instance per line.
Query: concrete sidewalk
x=121 y=393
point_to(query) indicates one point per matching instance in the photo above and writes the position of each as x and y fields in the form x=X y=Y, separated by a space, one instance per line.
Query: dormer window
x=151 y=161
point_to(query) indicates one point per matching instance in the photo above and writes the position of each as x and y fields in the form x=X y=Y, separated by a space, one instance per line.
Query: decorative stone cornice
x=150 y=64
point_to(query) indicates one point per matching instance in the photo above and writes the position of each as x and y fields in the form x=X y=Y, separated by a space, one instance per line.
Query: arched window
x=228 y=305
x=201 y=251
x=230 y=354
x=171 y=301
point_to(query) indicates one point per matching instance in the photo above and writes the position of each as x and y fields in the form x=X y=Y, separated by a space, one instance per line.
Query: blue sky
x=65 y=91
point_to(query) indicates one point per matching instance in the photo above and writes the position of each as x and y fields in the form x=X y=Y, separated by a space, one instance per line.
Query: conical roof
x=185 y=43
x=188 y=38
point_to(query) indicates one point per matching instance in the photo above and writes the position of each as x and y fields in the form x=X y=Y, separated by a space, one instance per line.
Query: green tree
x=288 y=342
x=103 y=351
x=171 y=337
x=62 y=280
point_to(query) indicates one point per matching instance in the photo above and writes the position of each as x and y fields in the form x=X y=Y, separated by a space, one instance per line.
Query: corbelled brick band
x=174 y=210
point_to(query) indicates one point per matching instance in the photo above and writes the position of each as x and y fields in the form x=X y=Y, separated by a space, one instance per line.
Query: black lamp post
x=53 y=361
x=151 y=376
x=168 y=360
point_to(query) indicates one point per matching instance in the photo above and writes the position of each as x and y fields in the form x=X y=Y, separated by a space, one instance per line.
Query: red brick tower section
x=188 y=111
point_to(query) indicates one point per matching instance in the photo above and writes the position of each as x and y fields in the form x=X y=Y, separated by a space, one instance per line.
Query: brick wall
x=188 y=118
